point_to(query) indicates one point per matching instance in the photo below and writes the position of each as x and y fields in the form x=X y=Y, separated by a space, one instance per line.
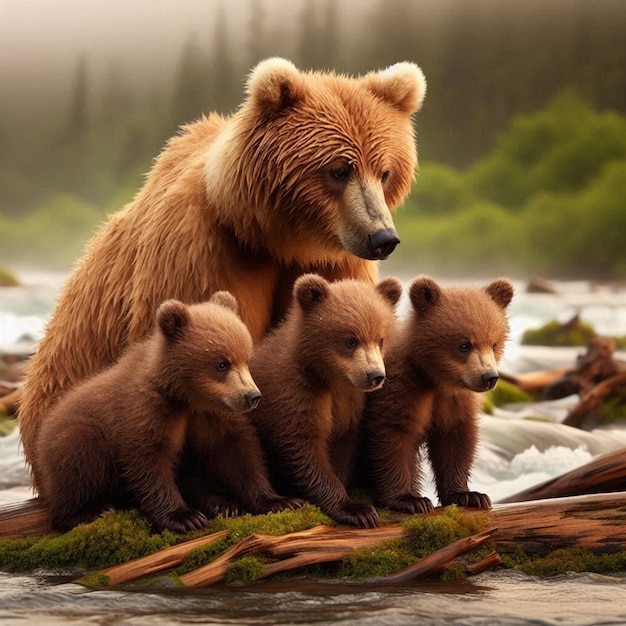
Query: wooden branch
x=489 y=562
x=534 y=382
x=438 y=562
x=158 y=561
x=306 y=547
x=593 y=399
x=604 y=474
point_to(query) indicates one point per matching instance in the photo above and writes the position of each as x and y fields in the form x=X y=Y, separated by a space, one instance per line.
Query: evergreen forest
x=522 y=137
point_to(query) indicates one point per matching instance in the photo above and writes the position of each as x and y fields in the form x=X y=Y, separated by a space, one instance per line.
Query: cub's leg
x=452 y=441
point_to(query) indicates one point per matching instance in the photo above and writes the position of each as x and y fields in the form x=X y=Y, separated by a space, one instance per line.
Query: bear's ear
x=390 y=289
x=275 y=85
x=172 y=318
x=501 y=292
x=310 y=290
x=403 y=85
x=225 y=299
x=424 y=293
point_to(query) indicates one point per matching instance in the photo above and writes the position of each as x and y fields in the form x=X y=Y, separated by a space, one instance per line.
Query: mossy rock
x=505 y=393
x=554 y=334
x=7 y=279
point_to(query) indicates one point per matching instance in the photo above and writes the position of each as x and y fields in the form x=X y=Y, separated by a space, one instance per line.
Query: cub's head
x=457 y=334
x=344 y=328
x=334 y=154
x=205 y=352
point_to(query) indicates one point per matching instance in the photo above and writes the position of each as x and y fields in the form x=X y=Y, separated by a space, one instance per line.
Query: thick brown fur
x=315 y=371
x=439 y=361
x=116 y=439
x=302 y=178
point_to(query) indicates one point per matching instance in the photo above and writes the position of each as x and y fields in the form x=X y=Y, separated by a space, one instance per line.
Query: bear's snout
x=489 y=380
x=382 y=243
x=375 y=378
x=252 y=399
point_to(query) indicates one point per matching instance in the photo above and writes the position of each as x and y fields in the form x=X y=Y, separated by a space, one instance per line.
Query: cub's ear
x=274 y=85
x=390 y=289
x=501 y=292
x=225 y=299
x=403 y=85
x=424 y=293
x=310 y=290
x=172 y=318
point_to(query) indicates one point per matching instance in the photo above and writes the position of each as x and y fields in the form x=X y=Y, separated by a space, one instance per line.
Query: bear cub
x=116 y=439
x=441 y=357
x=315 y=370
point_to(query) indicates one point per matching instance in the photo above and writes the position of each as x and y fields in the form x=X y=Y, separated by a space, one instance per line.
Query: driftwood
x=21 y=519
x=596 y=377
x=591 y=521
x=438 y=562
x=604 y=474
x=9 y=398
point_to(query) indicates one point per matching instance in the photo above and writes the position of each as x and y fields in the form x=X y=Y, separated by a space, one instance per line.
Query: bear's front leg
x=452 y=441
x=309 y=469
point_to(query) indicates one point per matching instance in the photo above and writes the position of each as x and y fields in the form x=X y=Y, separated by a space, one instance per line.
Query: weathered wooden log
x=437 y=562
x=27 y=517
x=156 y=562
x=604 y=474
x=593 y=398
x=535 y=382
x=329 y=542
x=590 y=521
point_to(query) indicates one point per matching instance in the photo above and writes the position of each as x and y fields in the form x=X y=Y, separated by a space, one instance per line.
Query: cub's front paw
x=214 y=506
x=356 y=514
x=283 y=504
x=470 y=499
x=411 y=504
x=182 y=520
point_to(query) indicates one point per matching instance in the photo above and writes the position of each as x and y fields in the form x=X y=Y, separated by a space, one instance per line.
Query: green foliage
x=245 y=570
x=555 y=334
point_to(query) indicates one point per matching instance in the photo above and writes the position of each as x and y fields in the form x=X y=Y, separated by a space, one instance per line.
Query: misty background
x=522 y=137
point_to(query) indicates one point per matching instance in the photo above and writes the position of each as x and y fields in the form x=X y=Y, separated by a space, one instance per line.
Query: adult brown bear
x=300 y=179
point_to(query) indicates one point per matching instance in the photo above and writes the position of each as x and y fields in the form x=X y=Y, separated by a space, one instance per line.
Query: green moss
x=112 y=539
x=7 y=279
x=245 y=570
x=575 y=560
x=555 y=334
x=426 y=534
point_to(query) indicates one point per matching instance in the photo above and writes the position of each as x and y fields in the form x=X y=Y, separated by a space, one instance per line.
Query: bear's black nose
x=375 y=378
x=252 y=399
x=489 y=380
x=382 y=243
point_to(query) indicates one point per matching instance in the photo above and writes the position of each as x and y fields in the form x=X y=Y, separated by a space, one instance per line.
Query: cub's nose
x=252 y=399
x=382 y=243
x=489 y=380
x=375 y=378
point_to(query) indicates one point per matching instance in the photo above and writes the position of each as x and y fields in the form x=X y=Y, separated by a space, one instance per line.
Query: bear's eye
x=385 y=176
x=223 y=366
x=340 y=173
x=381 y=343
x=495 y=347
x=352 y=343
x=465 y=347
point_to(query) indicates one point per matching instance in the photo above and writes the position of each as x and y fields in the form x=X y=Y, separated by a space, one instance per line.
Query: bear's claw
x=469 y=499
x=411 y=504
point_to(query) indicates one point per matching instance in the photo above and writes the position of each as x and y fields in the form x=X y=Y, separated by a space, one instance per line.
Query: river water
x=514 y=454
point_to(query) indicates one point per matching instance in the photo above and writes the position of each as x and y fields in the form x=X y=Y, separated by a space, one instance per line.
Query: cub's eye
x=380 y=343
x=223 y=366
x=340 y=173
x=495 y=347
x=385 y=176
x=352 y=343
x=465 y=347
